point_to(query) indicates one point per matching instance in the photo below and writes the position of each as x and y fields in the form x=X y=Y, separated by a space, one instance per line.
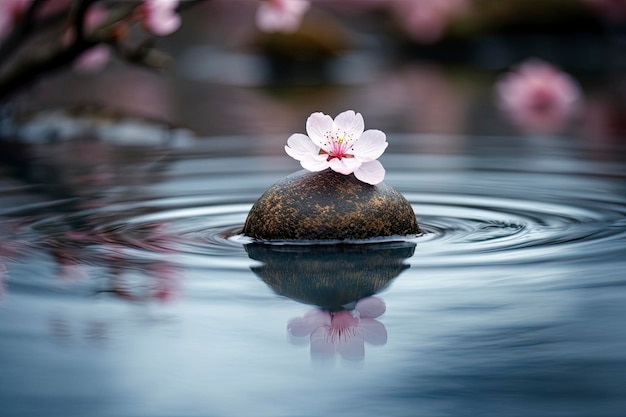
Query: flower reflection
x=342 y=332
x=341 y=281
x=83 y=251
x=89 y=243
x=166 y=279
x=66 y=332
x=538 y=97
x=3 y=277
x=76 y=251
x=11 y=246
x=158 y=281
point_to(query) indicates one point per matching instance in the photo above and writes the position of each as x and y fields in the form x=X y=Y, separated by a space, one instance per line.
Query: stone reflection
x=341 y=281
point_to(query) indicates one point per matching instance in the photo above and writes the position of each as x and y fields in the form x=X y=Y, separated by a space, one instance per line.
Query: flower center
x=337 y=147
x=343 y=325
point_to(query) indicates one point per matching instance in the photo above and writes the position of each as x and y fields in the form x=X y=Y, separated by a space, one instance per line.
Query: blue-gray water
x=126 y=290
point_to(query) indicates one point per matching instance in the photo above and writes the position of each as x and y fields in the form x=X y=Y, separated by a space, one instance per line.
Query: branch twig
x=52 y=58
x=29 y=67
x=21 y=31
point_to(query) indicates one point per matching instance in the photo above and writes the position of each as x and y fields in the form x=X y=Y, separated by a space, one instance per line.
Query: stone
x=327 y=205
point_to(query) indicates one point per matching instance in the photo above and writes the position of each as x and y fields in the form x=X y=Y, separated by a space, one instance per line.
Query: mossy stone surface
x=327 y=205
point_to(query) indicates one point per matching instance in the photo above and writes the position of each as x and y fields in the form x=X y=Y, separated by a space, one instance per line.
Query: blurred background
x=407 y=65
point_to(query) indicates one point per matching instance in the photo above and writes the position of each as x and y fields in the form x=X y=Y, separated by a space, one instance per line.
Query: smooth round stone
x=327 y=205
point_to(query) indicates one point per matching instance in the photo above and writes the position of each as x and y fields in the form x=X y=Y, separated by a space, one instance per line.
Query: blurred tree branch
x=38 y=44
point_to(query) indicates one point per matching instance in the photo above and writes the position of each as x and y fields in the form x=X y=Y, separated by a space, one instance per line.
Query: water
x=126 y=289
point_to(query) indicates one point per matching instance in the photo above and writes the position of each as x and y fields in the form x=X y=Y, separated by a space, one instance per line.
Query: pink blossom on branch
x=95 y=58
x=160 y=17
x=426 y=20
x=281 y=15
x=538 y=97
x=11 y=11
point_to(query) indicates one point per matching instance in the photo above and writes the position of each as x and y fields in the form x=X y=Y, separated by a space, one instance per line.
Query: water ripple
x=459 y=229
x=474 y=209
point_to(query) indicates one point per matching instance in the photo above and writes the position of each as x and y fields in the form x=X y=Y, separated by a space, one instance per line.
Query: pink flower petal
x=344 y=165
x=296 y=7
x=313 y=163
x=302 y=149
x=6 y=24
x=370 y=146
x=281 y=15
x=352 y=346
x=161 y=17
x=92 y=60
x=318 y=127
x=303 y=326
x=95 y=16
x=370 y=307
x=350 y=124
x=322 y=345
x=10 y=12
x=370 y=172
x=374 y=332
x=267 y=19
x=299 y=146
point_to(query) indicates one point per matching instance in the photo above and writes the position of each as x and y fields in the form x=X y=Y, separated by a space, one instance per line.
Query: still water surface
x=127 y=291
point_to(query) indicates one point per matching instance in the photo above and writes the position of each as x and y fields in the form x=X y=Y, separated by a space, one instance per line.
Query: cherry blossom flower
x=11 y=11
x=95 y=58
x=426 y=20
x=341 y=145
x=281 y=15
x=342 y=332
x=538 y=97
x=92 y=60
x=160 y=17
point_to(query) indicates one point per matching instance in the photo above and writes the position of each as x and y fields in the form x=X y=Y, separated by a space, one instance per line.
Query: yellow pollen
x=340 y=140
